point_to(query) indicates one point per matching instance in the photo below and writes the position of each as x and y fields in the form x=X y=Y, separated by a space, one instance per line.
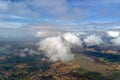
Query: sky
x=78 y=13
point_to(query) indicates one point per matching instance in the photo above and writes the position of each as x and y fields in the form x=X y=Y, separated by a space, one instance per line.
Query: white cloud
x=116 y=41
x=113 y=34
x=47 y=34
x=92 y=40
x=60 y=9
x=58 y=48
x=72 y=39
x=55 y=9
x=54 y=6
x=16 y=8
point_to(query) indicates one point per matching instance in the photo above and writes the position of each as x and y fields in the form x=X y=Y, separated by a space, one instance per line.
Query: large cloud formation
x=58 y=48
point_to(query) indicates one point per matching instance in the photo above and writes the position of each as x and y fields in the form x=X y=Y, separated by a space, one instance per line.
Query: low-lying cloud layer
x=57 y=46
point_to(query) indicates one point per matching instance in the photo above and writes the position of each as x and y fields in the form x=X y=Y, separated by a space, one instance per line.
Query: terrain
x=90 y=63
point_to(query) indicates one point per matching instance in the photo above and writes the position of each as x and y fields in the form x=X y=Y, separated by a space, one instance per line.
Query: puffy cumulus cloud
x=92 y=40
x=116 y=37
x=58 y=48
x=116 y=41
x=113 y=34
x=72 y=39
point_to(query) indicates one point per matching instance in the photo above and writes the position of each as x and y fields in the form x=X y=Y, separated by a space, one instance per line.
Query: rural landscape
x=59 y=39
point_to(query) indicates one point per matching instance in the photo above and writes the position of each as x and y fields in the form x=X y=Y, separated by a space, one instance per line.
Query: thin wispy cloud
x=60 y=11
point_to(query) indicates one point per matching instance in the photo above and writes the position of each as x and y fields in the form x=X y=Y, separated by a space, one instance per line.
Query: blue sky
x=24 y=13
